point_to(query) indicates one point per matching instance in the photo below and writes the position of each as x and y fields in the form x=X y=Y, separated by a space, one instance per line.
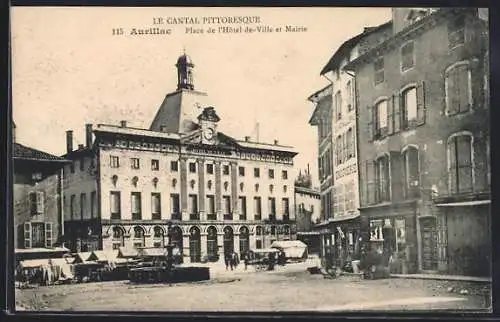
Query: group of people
x=232 y=260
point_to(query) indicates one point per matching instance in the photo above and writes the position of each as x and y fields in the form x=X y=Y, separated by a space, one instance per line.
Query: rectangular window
x=193 y=207
x=226 y=203
x=155 y=165
x=27 y=235
x=458 y=89
x=411 y=173
x=286 y=208
x=83 y=205
x=409 y=107
x=241 y=171
x=271 y=173
x=136 y=205
x=256 y=172
x=243 y=207
x=36 y=201
x=82 y=165
x=175 y=206
x=381 y=119
x=115 y=205
x=72 y=207
x=134 y=163
x=211 y=215
x=407 y=56
x=258 y=244
x=456 y=32
x=350 y=143
x=338 y=105
x=192 y=167
x=339 y=148
x=378 y=67
x=225 y=170
x=210 y=168
x=272 y=208
x=93 y=204
x=155 y=206
x=284 y=175
x=348 y=89
x=174 y=166
x=257 y=208
x=114 y=161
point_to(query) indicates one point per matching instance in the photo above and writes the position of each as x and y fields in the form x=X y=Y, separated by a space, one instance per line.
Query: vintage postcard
x=251 y=159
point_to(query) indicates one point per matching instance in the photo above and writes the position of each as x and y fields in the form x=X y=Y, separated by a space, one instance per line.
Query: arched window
x=460 y=163
x=411 y=172
x=212 y=249
x=228 y=240
x=194 y=244
x=244 y=240
x=139 y=238
x=118 y=233
x=382 y=178
x=258 y=237
x=258 y=231
x=158 y=232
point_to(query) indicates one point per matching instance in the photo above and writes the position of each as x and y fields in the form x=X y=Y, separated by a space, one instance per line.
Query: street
x=289 y=288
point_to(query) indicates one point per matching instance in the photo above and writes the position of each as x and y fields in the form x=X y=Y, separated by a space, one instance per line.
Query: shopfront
x=392 y=231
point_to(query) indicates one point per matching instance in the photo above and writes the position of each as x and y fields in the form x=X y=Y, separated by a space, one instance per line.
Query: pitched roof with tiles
x=20 y=151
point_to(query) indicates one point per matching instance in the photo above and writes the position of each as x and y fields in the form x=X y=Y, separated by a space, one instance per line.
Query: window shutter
x=452 y=165
x=40 y=202
x=390 y=116
x=397 y=103
x=27 y=235
x=369 y=124
x=421 y=103
x=31 y=201
x=48 y=235
x=370 y=181
x=396 y=175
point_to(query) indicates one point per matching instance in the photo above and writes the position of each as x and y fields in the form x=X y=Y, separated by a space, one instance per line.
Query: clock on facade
x=208 y=133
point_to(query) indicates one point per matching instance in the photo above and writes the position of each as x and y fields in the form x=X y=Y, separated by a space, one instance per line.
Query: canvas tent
x=124 y=252
x=294 y=249
x=81 y=257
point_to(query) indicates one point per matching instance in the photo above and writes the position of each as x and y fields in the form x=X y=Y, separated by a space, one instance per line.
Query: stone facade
x=423 y=137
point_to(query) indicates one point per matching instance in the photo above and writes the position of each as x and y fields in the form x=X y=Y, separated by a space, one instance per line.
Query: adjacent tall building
x=37 y=204
x=219 y=194
x=335 y=117
x=423 y=141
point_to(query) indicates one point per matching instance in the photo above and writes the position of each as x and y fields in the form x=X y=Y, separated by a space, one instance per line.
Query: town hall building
x=127 y=186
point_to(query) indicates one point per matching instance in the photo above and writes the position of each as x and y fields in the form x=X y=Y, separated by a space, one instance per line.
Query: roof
x=327 y=90
x=127 y=252
x=101 y=255
x=306 y=190
x=41 y=250
x=401 y=35
x=348 y=45
x=106 y=128
x=288 y=244
x=82 y=257
x=22 y=152
x=153 y=252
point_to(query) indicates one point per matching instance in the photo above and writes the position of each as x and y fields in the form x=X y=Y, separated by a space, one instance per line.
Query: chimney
x=81 y=146
x=123 y=123
x=247 y=139
x=88 y=135
x=69 y=141
x=275 y=142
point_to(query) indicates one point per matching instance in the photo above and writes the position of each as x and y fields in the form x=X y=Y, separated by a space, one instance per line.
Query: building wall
x=50 y=214
x=432 y=58
x=307 y=209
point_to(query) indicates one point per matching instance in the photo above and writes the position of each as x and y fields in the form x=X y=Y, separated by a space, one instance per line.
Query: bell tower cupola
x=185 y=68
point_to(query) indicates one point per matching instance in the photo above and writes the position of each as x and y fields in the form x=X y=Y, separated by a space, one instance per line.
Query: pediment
x=222 y=140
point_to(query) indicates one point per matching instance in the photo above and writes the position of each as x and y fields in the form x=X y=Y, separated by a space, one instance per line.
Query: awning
x=308 y=233
x=465 y=203
x=41 y=250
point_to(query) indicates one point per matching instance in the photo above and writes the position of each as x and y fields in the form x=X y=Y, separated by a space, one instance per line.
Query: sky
x=68 y=69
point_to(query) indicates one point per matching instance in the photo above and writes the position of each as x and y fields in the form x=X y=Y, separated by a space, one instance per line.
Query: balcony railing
x=156 y=216
x=228 y=216
x=195 y=216
x=211 y=216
